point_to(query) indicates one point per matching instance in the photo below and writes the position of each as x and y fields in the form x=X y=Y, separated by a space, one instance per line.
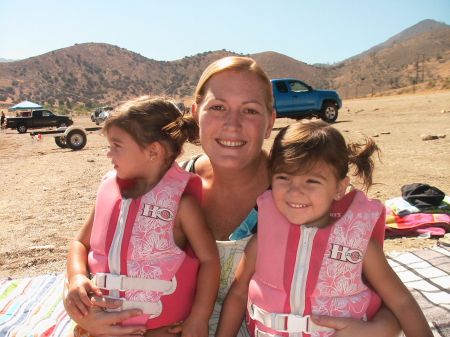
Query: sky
x=311 y=31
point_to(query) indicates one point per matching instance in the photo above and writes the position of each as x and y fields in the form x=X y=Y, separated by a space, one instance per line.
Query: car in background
x=99 y=115
x=38 y=118
x=296 y=99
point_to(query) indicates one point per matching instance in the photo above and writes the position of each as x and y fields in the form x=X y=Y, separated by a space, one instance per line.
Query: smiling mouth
x=231 y=143
x=295 y=205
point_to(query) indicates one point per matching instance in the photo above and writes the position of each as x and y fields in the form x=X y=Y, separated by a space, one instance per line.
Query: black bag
x=422 y=195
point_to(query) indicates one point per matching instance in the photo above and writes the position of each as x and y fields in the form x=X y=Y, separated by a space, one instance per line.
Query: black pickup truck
x=39 y=118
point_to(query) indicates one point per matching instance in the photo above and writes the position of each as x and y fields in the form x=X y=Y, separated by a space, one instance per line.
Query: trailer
x=73 y=137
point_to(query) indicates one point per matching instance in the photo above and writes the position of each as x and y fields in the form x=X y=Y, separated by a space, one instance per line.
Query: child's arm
x=200 y=238
x=79 y=285
x=235 y=305
x=394 y=293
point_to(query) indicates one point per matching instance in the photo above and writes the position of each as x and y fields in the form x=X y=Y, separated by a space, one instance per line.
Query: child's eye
x=313 y=181
x=281 y=177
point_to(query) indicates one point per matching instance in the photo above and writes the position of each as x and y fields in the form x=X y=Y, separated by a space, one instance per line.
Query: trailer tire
x=22 y=128
x=76 y=139
x=61 y=142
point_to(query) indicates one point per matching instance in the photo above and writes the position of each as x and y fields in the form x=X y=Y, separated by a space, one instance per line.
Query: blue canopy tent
x=24 y=105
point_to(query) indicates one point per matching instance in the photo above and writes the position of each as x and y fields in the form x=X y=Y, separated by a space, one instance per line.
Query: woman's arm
x=383 y=324
x=394 y=293
x=200 y=238
x=235 y=304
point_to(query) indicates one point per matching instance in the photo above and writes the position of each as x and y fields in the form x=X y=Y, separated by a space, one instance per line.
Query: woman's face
x=233 y=118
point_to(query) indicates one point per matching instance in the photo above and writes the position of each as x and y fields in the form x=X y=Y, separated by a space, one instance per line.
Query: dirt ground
x=46 y=192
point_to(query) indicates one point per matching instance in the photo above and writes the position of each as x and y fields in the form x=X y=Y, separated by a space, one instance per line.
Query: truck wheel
x=329 y=112
x=61 y=142
x=76 y=139
x=22 y=128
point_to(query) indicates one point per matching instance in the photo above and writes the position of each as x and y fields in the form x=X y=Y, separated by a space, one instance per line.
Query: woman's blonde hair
x=148 y=120
x=237 y=64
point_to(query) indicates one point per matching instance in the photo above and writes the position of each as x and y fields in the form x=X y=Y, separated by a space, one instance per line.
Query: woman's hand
x=384 y=324
x=101 y=323
x=190 y=328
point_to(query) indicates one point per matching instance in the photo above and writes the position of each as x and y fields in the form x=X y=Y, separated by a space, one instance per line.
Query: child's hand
x=191 y=328
x=80 y=288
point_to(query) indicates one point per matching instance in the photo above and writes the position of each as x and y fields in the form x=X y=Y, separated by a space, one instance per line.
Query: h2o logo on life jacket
x=156 y=212
x=345 y=254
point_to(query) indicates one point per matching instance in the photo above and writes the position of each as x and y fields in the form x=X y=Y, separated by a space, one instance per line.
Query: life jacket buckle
x=289 y=323
x=109 y=281
x=297 y=323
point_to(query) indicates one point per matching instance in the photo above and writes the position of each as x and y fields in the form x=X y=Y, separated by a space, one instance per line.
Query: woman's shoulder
x=199 y=165
x=189 y=165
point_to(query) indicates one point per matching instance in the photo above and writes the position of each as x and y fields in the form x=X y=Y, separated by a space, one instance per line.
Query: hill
x=419 y=54
x=91 y=74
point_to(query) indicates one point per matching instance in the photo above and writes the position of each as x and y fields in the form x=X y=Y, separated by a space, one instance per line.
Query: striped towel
x=32 y=306
x=426 y=273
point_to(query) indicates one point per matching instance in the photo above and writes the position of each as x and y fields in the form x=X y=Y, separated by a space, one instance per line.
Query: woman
x=234 y=108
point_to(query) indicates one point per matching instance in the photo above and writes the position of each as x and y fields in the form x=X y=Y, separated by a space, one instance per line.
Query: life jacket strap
x=284 y=322
x=122 y=282
x=153 y=309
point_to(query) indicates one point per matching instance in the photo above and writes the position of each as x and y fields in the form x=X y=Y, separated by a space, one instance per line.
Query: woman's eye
x=217 y=107
x=251 y=111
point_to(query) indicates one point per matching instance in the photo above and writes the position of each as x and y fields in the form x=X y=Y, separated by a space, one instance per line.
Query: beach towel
x=426 y=273
x=32 y=306
x=415 y=224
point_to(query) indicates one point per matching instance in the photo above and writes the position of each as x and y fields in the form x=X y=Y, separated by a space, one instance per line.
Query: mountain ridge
x=92 y=74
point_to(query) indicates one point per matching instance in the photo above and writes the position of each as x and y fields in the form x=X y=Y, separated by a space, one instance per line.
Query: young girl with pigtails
x=318 y=250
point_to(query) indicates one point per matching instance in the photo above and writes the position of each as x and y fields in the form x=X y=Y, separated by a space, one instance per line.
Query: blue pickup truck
x=296 y=99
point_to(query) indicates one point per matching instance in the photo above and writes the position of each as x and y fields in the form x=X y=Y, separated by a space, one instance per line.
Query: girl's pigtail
x=360 y=156
x=190 y=129
x=183 y=128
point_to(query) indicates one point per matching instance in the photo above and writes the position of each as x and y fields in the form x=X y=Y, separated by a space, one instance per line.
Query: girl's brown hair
x=237 y=64
x=149 y=120
x=298 y=147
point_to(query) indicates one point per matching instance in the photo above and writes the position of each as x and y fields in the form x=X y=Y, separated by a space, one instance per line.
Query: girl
x=137 y=241
x=313 y=260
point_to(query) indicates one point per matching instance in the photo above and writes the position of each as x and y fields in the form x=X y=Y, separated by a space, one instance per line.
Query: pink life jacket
x=134 y=238
x=306 y=270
